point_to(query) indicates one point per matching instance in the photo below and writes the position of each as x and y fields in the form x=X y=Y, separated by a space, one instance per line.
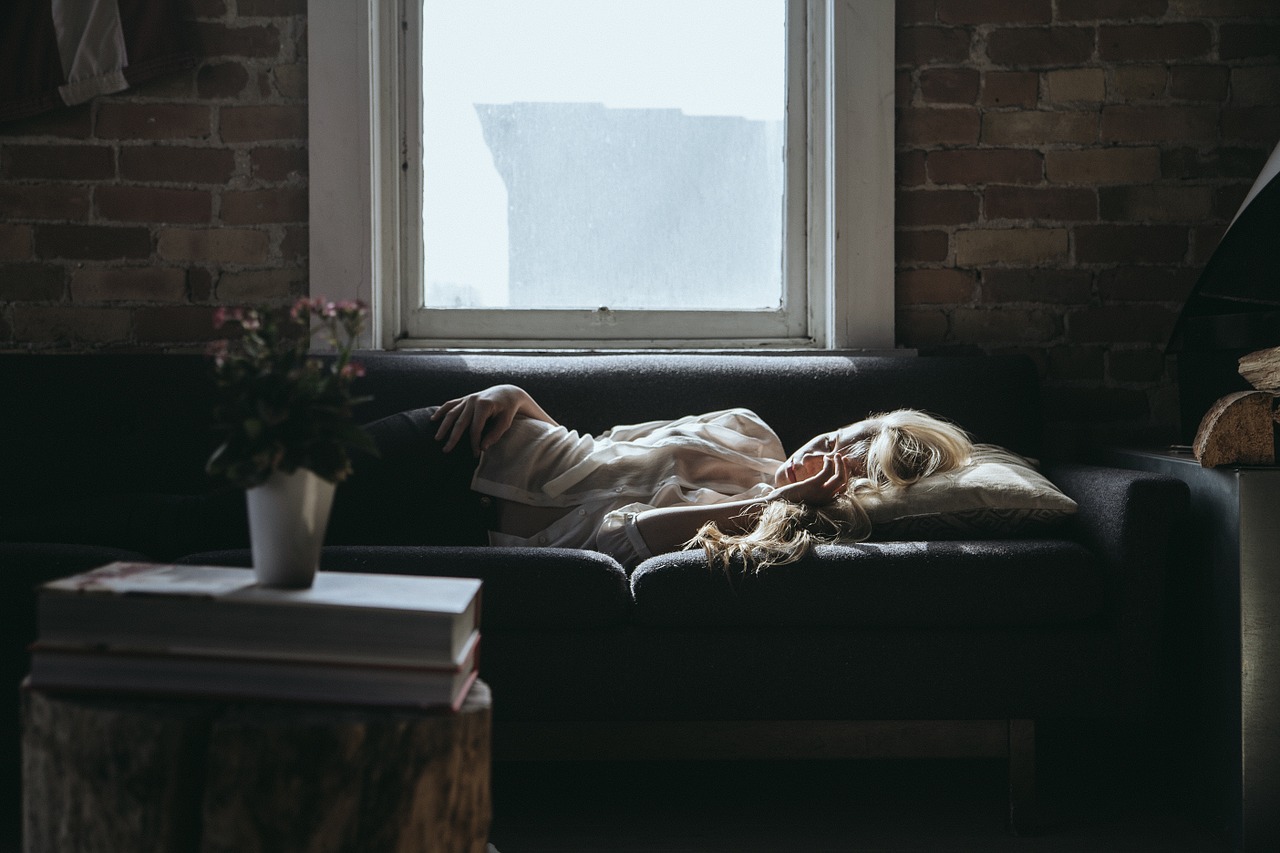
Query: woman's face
x=851 y=442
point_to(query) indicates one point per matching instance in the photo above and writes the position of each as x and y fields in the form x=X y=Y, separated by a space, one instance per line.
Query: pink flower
x=354 y=370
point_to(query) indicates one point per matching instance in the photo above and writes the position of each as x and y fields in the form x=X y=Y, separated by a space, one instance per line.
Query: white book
x=344 y=616
x=151 y=673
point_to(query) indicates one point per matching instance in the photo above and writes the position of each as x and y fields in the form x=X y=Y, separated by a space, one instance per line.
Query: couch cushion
x=552 y=588
x=882 y=584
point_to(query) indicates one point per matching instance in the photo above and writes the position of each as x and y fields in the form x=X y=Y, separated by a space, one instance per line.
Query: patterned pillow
x=998 y=494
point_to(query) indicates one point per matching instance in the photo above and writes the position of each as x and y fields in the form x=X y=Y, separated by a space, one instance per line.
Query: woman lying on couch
x=721 y=480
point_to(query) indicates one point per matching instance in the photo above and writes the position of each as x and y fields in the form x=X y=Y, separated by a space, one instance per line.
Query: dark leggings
x=411 y=493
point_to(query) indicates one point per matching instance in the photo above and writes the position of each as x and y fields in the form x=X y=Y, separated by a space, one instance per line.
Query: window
x=591 y=212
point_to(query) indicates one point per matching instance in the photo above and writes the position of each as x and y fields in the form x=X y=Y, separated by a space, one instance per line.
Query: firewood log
x=1237 y=430
x=1261 y=369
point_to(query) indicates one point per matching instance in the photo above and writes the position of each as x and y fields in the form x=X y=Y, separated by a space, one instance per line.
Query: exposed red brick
x=208 y=8
x=1216 y=163
x=1132 y=83
x=1093 y=166
x=936 y=207
x=148 y=283
x=65 y=324
x=1136 y=365
x=177 y=323
x=1075 y=85
x=1255 y=86
x=92 y=242
x=15 y=242
x=121 y=120
x=995 y=11
x=52 y=202
x=988 y=165
x=199 y=284
x=214 y=245
x=919 y=46
x=260 y=285
x=71 y=123
x=177 y=164
x=1121 y=123
x=222 y=80
x=1251 y=124
x=294 y=245
x=910 y=168
x=254 y=207
x=1146 y=284
x=291 y=80
x=1005 y=325
x=271 y=8
x=153 y=204
x=934 y=286
x=59 y=162
x=1204 y=240
x=1074 y=363
x=1057 y=286
x=1104 y=10
x=1040 y=47
x=920 y=247
x=1010 y=88
x=1022 y=246
x=1039 y=127
x=1121 y=324
x=278 y=164
x=925 y=126
x=1053 y=204
x=1199 y=82
x=252 y=124
x=31 y=282
x=950 y=85
x=915 y=12
x=1153 y=42
x=1115 y=244
x=1249 y=41
x=1155 y=203
x=1229 y=199
x=920 y=328
x=216 y=39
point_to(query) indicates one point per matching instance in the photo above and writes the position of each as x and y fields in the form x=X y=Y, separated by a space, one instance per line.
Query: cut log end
x=1239 y=429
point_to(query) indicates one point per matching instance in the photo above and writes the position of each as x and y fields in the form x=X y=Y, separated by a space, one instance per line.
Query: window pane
x=619 y=153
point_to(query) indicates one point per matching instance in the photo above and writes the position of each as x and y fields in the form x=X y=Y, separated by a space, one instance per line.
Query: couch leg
x=1023 y=812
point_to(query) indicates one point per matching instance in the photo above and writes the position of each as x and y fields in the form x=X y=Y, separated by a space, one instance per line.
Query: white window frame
x=360 y=198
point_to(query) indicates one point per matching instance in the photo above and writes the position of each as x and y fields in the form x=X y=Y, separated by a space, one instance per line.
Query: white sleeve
x=619 y=537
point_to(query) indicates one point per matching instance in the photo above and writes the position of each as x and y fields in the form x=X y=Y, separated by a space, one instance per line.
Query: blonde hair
x=908 y=446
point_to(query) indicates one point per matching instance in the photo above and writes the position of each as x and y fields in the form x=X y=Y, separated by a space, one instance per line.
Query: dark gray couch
x=837 y=655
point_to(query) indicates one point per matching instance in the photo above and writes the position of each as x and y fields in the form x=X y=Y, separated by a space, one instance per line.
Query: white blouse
x=608 y=479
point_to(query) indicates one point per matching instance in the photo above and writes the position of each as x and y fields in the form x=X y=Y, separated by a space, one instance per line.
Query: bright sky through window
x=512 y=83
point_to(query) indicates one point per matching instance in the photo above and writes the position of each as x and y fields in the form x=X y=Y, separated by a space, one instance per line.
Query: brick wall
x=123 y=222
x=1065 y=168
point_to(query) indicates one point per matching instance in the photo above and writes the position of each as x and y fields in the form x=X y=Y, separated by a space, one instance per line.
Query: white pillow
x=998 y=494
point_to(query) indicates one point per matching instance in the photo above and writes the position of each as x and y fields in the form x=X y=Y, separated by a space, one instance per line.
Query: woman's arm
x=486 y=415
x=670 y=528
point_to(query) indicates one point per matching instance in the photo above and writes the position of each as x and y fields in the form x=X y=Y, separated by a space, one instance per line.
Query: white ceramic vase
x=287 y=519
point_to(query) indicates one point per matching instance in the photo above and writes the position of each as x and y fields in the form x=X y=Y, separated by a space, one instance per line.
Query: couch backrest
x=101 y=423
x=994 y=397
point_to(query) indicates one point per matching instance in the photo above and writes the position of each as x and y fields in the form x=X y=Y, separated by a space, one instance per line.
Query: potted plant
x=287 y=419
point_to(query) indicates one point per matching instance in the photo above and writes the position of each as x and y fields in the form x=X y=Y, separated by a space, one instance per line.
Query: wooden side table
x=1227 y=612
x=107 y=773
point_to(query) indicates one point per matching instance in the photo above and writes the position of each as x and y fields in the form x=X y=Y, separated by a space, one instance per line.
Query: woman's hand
x=485 y=415
x=816 y=479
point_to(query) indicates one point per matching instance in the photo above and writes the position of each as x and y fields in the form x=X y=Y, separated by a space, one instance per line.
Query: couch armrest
x=1129 y=519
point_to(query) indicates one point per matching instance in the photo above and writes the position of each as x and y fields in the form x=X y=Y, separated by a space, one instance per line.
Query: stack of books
x=357 y=639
